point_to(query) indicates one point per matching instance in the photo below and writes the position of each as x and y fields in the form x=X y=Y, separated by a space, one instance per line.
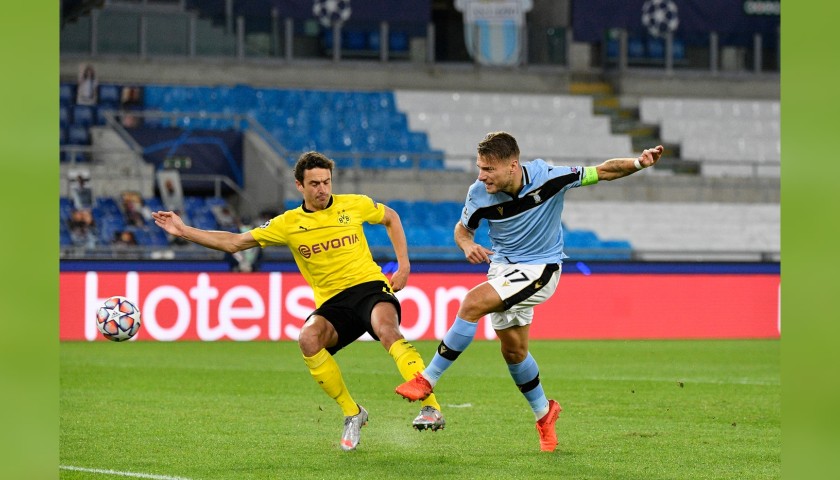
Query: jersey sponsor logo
x=307 y=251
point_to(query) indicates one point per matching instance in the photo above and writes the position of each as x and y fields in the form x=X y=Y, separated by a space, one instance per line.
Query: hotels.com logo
x=274 y=306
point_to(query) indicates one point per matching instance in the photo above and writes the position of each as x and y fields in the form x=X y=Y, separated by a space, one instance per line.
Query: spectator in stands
x=171 y=190
x=86 y=91
x=124 y=238
x=522 y=203
x=131 y=99
x=135 y=211
x=226 y=219
x=80 y=191
x=82 y=228
x=352 y=295
x=246 y=260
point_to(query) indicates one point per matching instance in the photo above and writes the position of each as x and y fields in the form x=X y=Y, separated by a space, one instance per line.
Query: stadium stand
x=300 y=120
x=669 y=230
x=345 y=124
x=412 y=128
x=729 y=137
x=564 y=128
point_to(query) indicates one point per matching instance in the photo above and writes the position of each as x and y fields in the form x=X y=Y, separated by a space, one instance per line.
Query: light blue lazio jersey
x=526 y=229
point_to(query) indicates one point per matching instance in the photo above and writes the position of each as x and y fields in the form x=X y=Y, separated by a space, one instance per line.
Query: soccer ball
x=118 y=319
x=329 y=12
x=660 y=17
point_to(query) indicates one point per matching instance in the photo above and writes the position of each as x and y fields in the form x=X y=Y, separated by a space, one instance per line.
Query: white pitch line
x=120 y=474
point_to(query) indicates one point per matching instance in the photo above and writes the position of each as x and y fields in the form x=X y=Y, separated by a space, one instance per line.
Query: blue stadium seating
x=377 y=236
x=78 y=135
x=428 y=226
x=67 y=94
x=64 y=116
x=83 y=115
x=64 y=238
x=109 y=95
x=336 y=122
x=291 y=204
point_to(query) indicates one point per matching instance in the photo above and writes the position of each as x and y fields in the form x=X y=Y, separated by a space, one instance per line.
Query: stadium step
x=625 y=120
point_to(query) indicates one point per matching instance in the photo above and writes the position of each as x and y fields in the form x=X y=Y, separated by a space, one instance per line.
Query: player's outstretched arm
x=621 y=167
x=396 y=233
x=218 y=240
x=474 y=252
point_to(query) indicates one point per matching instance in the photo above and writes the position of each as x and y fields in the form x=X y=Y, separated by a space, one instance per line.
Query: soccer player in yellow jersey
x=352 y=295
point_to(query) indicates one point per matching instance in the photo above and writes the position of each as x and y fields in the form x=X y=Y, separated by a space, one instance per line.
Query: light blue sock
x=526 y=375
x=456 y=340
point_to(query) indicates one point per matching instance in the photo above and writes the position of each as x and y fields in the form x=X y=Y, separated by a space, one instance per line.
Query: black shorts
x=349 y=311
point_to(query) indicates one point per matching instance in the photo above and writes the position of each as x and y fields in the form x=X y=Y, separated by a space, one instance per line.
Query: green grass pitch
x=635 y=410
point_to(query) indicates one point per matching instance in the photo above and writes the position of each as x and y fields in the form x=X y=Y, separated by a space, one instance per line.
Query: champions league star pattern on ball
x=660 y=17
x=329 y=12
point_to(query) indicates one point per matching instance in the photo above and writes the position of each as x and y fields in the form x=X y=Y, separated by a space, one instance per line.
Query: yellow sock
x=325 y=371
x=410 y=362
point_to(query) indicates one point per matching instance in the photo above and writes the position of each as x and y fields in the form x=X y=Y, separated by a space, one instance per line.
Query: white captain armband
x=590 y=176
x=638 y=164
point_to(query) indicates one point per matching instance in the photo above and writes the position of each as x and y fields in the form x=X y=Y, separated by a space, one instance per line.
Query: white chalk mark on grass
x=120 y=474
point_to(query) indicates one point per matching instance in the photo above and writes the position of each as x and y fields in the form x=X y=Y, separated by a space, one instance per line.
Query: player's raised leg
x=456 y=340
x=478 y=302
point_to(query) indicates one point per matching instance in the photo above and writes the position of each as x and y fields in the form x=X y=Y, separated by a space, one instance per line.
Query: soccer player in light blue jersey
x=522 y=203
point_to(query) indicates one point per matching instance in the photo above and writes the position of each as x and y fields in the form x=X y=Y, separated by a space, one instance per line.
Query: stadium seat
x=377 y=236
x=108 y=228
x=580 y=239
x=398 y=41
x=354 y=40
x=109 y=95
x=203 y=218
x=67 y=94
x=64 y=238
x=420 y=236
x=292 y=204
x=655 y=48
x=100 y=117
x=156 y=237
x=83 y=115
x=193 y=203
x=64 y=116
x=78 y=135
x=635 y=47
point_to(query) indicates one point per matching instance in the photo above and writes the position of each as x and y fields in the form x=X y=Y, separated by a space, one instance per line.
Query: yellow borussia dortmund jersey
x=329 y=246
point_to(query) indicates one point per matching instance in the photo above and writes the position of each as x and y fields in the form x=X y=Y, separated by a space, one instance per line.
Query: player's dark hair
x=498 y=146
x=310 y=160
